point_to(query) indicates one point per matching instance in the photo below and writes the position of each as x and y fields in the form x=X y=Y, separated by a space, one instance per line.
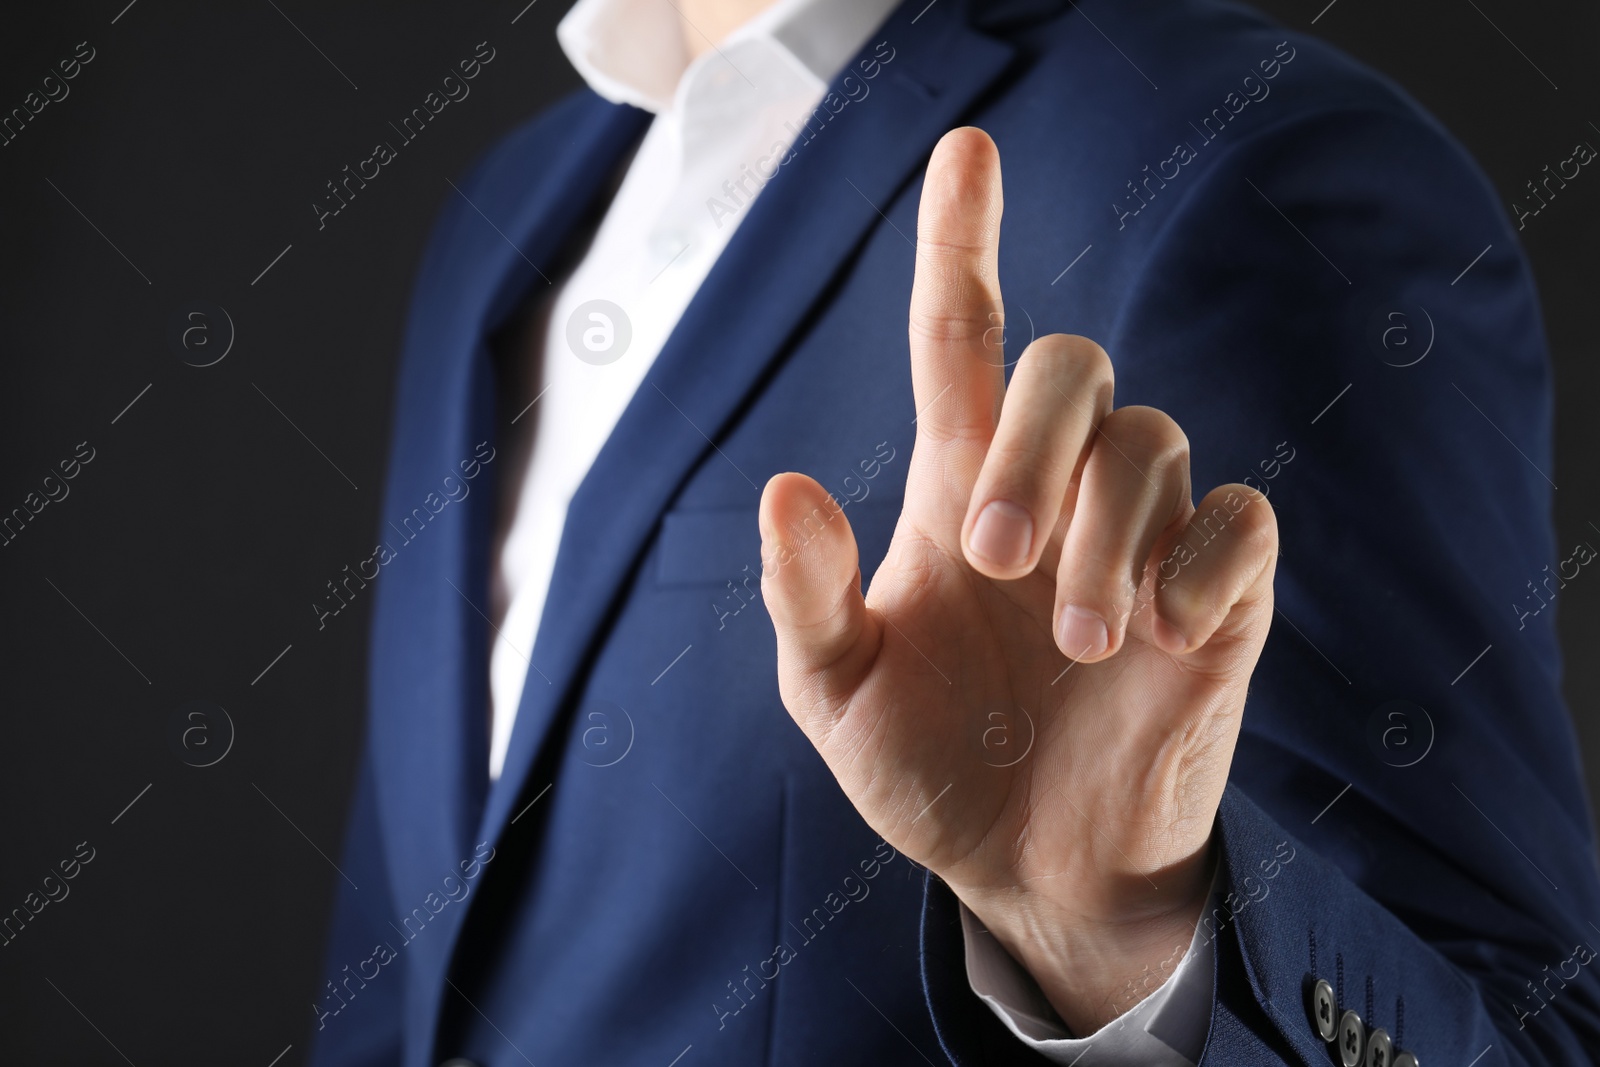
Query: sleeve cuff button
x=1352 y=1039
x=1324 y=1014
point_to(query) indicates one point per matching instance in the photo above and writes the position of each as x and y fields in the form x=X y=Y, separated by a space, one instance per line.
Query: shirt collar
x=632 y=51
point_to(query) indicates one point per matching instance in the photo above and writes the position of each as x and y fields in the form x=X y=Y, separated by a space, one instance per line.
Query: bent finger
x=1058 y=396
x=1135 y=487
x=1226 y=556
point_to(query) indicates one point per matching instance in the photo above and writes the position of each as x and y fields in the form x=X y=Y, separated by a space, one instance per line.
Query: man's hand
x=1050 y=585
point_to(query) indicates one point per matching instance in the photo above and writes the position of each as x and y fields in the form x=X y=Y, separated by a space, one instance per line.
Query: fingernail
x=1081 y=634
x=1003 y=534
x=1168 y=637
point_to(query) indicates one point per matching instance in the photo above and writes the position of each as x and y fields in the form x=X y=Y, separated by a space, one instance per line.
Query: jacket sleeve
x=1338 y=313
x=355 y=1021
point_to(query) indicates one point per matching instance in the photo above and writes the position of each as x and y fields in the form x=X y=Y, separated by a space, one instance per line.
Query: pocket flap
x=713 y=547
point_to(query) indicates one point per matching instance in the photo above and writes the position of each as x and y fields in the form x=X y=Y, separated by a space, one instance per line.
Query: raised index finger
x=957 y=362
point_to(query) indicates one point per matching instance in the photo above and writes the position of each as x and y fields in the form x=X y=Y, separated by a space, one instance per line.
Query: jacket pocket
x=716 y=547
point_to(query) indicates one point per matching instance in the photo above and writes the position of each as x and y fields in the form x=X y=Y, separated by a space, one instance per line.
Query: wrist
x=1094 y=961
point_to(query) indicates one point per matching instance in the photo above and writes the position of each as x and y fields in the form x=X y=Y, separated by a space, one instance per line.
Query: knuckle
x=1256 y=523
x=1028 y=465
x=1148 y=433
x=1184 y=601
x=930 y=324
x=1101 y=580
x=1077 y=362
x=955 y=433
x=1072 y=357
x=956 y=305
x=1089 y=355
x=949 y=250
x=954 y=273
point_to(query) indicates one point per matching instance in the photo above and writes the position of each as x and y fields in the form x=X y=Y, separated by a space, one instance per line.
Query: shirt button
x=1352 y=1039
x=457 y=1061
x=1324 y=1015
x=1380 y=1050
x=1406 y=1059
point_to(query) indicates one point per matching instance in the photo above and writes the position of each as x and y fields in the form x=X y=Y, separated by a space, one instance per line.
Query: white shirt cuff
x=1167 y=1028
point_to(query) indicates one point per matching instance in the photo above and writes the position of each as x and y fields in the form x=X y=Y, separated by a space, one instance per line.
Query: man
x=1023 y=808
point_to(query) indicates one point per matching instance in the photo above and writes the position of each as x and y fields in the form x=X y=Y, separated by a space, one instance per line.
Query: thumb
x=811 y=583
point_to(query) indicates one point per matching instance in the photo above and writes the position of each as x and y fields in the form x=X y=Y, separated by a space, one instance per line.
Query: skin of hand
x=1043 y=531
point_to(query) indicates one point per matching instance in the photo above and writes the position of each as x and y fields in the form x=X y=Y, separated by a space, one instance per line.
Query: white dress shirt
x=717 y=117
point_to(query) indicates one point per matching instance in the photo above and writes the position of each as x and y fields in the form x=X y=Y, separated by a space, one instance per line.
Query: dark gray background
x=188 y=552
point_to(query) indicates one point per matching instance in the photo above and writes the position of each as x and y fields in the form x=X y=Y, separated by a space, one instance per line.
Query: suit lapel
x=802 y=229
x=428 y=738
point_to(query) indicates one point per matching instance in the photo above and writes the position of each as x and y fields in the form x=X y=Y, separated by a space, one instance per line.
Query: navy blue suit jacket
x=667 y=865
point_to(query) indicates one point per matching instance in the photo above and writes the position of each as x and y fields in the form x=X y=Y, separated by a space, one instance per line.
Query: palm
x=999 y=741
